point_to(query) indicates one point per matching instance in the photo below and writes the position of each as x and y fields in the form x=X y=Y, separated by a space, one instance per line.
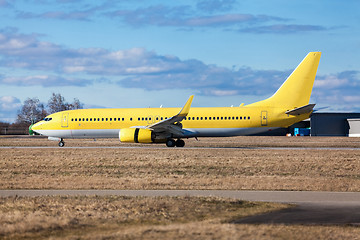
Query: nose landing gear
x=61 y=143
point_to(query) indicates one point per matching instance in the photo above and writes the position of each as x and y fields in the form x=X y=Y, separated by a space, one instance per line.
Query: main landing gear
x=61 y=143
x=172 y=143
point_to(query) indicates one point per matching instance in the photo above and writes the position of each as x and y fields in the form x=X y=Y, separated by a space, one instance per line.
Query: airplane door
x=65 y=120
x=263 y=118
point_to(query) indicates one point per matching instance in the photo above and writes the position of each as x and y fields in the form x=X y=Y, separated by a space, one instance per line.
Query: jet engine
x=136 y=135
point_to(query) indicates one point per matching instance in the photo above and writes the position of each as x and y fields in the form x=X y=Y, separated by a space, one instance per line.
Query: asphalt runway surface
x=311 y=208
x=164 y=147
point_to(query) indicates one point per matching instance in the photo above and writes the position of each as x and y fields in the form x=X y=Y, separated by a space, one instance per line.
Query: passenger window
x=87 y=119
x=222 y=118
x=225 y=118
x=130 y=119
x=237 y=118
x=123 y=119
x=205 y=118
x=72 y=119
x=240 y=118
x=248 y=118
x=102 y=119
x=110 y=119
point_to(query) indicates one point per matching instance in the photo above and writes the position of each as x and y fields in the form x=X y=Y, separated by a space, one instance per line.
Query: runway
x=314 y=208
x=167 y=148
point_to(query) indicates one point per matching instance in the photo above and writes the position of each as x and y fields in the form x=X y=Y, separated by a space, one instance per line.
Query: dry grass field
x=251 y=163
x=248 y=163
x=117 y=217
x=147 y=218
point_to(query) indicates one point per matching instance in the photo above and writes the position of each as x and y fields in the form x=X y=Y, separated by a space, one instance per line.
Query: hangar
x=335 y=124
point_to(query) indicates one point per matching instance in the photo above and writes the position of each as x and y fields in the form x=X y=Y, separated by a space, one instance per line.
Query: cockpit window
x=47 y=119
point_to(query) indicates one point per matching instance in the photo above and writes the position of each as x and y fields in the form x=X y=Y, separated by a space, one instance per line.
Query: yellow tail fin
x=296 y=90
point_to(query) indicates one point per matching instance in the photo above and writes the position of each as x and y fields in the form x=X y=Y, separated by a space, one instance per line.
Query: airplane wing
x=173 y=125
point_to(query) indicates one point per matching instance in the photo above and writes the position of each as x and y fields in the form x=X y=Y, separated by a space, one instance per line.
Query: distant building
x=335 y=124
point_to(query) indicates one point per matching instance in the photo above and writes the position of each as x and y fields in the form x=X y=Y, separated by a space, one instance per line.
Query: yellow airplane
x=289 y=104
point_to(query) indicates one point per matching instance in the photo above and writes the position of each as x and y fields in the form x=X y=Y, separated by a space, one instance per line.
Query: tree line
x=33 y=111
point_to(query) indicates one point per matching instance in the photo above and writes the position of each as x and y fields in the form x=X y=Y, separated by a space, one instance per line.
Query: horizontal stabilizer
x=301 y=110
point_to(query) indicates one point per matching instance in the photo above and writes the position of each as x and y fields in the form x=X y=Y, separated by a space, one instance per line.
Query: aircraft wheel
x=61 y=143
x=180 y=143
x=170 y=142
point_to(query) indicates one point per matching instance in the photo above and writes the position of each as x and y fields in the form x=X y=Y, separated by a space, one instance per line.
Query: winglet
x=185 y=110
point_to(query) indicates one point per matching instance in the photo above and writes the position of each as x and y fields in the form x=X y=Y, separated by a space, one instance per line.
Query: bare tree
x=31 y=111
x=57 y=103
x=76 y=104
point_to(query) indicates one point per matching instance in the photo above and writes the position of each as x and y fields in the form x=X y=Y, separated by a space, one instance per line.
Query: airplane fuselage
x=200 y=122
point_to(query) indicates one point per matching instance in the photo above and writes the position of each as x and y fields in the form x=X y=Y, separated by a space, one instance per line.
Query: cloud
x=212 y=80
x=183 y=16
x=140 y=68
x=215 y=5
x=218 y=14
x=27 y=52
x=44 y=80
x=61 y=15
x=340 y=91
x=4 y=3
x=79 y=11
x=8 y=103
x=349 y=80
x=9 y=107
x=283 y=29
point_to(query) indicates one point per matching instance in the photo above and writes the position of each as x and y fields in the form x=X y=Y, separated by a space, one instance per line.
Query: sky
x=120 y=54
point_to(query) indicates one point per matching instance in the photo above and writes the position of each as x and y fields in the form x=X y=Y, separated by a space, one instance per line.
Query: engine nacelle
x=136 y=135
